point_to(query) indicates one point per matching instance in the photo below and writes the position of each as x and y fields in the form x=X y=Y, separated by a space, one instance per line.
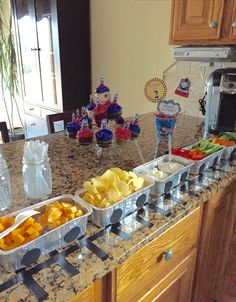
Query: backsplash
x=198 y=75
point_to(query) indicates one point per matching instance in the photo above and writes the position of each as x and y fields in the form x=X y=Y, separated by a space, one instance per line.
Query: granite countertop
x=101 y=250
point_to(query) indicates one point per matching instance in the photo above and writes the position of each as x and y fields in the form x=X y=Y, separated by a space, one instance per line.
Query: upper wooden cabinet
x=203 y=22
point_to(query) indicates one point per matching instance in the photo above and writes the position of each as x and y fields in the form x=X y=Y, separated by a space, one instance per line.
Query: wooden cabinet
x=215 y=278
x=176 y=286
x=203 y=22
x=158 y=269
x=93 y=293
x=53 y=43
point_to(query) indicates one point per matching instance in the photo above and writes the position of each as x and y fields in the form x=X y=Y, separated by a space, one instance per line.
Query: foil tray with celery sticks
x=49 y=239
x=112 y=195
x=170 y=180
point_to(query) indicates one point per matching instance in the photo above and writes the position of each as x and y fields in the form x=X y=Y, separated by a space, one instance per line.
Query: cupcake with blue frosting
x=114 y=109
x=91 y=106
x=72 y=127
x=104 y=136
x=134 y=127
x=102 y=91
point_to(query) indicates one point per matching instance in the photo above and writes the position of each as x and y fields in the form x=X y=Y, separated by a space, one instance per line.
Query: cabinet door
x=151 y=264
x=195 y=20
x=226 y=286
x=232 y=25
x=216 y=267
x=36 y=22
x=91 y=294
x=176 y=286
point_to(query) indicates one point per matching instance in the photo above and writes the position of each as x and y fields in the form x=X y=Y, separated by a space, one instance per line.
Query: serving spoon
x=21 y=217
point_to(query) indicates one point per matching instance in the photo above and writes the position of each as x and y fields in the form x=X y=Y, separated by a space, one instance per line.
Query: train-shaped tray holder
x=28 y=253
x=114 y=213
x=175 y=179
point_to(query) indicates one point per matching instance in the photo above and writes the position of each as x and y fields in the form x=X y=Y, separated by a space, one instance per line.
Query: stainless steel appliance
x=221 y=101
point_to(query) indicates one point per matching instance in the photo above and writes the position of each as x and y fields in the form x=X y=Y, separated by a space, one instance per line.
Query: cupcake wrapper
x=71 y=134
x=114 y=116
x=104 y=144
x=85 y=141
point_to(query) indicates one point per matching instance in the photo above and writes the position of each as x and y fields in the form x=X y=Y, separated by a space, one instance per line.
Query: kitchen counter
x=100 y=251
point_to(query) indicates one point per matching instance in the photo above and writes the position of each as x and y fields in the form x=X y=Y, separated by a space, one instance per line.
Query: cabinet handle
x=31 y=108
x=35 y=49
x=234 y=24
x=212 y=24
x=33 y=124
x=168 y=255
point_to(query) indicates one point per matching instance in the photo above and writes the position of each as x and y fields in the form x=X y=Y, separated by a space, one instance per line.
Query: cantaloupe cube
x=31 y=230
x=37 y=226
x=63 y=219
x=27 y=223
x=58 y=205
x=70 y=210
x=34 y=235
x=54 y=214
x=79 y=213
x=43 y=219
x=18 y=231
x=70 y=216
x=7 y=221
x=1 y=228
x=18 y=239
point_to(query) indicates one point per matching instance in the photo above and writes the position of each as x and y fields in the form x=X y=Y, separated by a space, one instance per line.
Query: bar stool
x=4 y=132
x=52 y=118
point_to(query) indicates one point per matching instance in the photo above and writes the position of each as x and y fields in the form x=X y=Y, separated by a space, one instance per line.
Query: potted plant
x=8 y=71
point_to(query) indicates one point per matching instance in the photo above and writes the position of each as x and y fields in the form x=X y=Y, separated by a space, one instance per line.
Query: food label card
x=169 y=108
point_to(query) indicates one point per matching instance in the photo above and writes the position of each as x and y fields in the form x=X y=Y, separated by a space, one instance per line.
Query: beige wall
x=130 y=46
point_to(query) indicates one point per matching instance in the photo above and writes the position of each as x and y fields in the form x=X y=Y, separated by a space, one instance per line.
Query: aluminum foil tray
x=229 y=153
x=201 y=165
x=110 y=215
x=170 y=182
x=28 y=253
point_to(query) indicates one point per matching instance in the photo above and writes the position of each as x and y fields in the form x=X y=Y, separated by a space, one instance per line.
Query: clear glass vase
x=37 y=178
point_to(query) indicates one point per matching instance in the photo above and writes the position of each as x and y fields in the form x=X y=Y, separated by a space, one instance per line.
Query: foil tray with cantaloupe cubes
x=51 y=216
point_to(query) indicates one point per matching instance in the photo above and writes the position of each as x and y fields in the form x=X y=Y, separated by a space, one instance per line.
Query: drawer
x=32 y=109
x=45 y=112
x=148 y=266
x=35 y=126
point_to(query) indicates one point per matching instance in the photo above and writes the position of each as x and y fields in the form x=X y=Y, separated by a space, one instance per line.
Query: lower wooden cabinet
x=155 y=272
x=176 y=286
x=215 y=277
x=93 y=293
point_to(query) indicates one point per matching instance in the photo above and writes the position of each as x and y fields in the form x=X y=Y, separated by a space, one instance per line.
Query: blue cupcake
x=104 y=136
x=72 y=128
x=91 y=104
x=134 y=127
x=114 y=109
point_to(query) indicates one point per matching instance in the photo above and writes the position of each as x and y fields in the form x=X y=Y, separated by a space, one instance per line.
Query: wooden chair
x=52 y=118
x=4 y=132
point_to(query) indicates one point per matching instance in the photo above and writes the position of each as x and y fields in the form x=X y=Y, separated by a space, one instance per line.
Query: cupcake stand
x=102 y=122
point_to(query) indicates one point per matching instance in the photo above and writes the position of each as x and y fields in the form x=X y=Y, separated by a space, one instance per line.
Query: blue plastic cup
x=165 y=126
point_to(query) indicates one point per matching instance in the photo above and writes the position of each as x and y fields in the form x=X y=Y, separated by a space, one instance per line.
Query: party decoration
x=155 y=90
